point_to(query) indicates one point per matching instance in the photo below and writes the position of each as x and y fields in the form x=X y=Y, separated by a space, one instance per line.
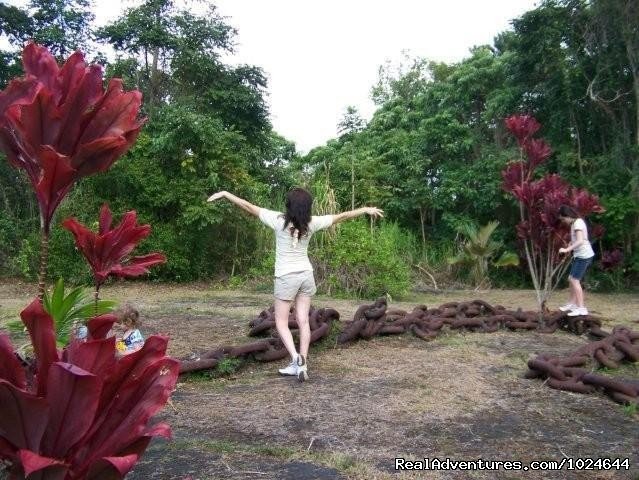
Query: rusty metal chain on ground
x=268 y=349
x=563 y=373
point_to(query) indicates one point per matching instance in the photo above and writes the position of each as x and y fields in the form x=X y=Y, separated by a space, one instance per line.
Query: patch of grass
x=632 y=409
x=452 y=339
x=630 y=370
x=272 y=451
x=329 y=342
x=225 y=368
x=346 y=464
x=518 y=357
x=197 y=377
x=339 y=461
x=228 y=366
x=217 y=446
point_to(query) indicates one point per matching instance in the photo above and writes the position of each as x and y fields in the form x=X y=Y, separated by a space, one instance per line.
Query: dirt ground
x=460 y=396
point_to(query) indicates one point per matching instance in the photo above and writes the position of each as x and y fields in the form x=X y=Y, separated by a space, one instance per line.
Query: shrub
x=365 y=262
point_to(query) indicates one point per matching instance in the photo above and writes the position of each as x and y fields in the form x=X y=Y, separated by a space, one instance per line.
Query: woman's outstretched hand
x=374 y=212
x=217 y=196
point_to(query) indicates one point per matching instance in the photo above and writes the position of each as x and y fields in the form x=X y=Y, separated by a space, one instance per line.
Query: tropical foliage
x=477 y=251
x=431 y=155
x=80 y=412
x=84 y=414
x=540 y=231
x=69 y=310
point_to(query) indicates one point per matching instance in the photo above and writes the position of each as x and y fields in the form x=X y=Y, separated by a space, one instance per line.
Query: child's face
x=122 y=326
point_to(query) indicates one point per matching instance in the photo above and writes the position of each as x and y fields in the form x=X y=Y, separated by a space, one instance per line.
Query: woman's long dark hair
x=298 y=211
x=567 y=211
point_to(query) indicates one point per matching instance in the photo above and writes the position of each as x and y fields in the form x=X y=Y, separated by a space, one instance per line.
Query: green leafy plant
x=365 y=262
x=631 y=409
x=68 y=309
x=478 y=249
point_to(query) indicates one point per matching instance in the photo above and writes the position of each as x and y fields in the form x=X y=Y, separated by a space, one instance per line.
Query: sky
x=322 y=56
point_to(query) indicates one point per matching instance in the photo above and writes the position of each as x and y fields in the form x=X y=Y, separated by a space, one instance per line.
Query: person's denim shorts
x=579 y=267
x=289 y=285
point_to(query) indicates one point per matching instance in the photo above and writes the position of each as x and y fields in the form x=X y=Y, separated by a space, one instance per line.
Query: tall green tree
x=60 y=25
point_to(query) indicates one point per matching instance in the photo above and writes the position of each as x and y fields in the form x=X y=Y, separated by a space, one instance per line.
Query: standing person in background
x=582 y=255
x=294 y=280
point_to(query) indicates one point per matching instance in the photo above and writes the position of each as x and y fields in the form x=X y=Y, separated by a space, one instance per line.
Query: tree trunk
x=96 y=298
x=237 y=238
x=44 y=257
x=352 y=183
x=573 y=119
x=155 y=88
x=422 y=220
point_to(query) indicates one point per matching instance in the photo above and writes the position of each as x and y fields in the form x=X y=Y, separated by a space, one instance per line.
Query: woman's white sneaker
x=568 y=307
x=291 y=369
x=578 y=312
x=302 y=368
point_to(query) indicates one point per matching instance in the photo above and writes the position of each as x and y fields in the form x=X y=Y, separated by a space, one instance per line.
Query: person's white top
x=290 y=254
x=585 y=249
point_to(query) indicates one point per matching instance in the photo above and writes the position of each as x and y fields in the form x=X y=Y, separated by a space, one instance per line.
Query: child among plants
x=582 y=255
x=129 y=339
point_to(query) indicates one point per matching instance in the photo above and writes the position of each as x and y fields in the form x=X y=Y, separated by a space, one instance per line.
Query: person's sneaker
x=291 y=369
x=568 y=307
x=578 y=312
x=302 y=368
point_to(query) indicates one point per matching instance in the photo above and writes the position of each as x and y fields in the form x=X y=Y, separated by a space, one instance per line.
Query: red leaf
x=585 y=203
x=37 y=61
x=100 y=326
x=75 y=393
x=99 y=155
x=537 y=151
x=40 y=326
x=139 y=387
x=513 y=175
x=24 y=417
x=138 y=265
x=137 y=400
x=105 y=219
x=115 y=114
x=60 y=124
x=108 y=468
x=84 y=94
x=57 y=179
x=46 y=468
x=10 y=367
x=107 y=251
x=611 y=259
x=27 y=123
x=94 y=356
x=598 y=231
x=133 y=366
x=19 y=92
x=522 y=127
x=7 y=451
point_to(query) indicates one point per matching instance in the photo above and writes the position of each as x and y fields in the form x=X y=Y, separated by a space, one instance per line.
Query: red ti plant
x=60 y=124
x=107 y=251
x=83 y=414
x=539 y=230
x=611 y=259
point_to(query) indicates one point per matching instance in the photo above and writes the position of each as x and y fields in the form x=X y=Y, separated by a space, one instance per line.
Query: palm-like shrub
x=68 y=309
x=477 y=251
